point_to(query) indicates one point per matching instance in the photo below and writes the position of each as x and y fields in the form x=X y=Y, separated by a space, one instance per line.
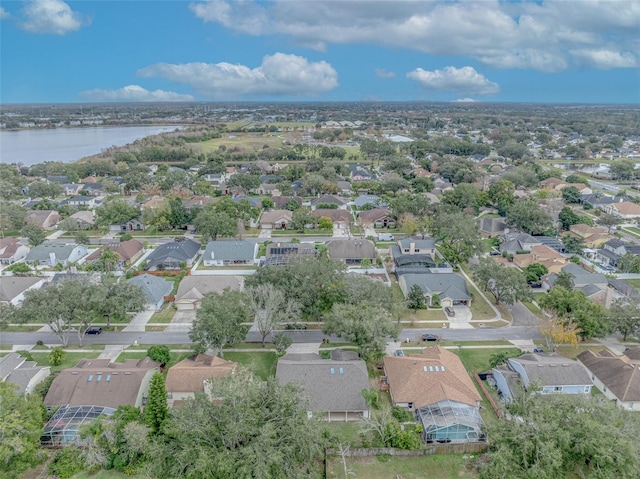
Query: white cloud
x=134 y=93
x=4 y=13
x=278 y=75
x=382 y=73
x=550 y=36
x=51 y=16
x=465 y=100
x=461 y=80
x=606 y=59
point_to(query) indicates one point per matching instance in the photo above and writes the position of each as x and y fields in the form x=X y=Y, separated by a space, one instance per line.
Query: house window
x=587 y=389
x=410 y=405
x=557 y=389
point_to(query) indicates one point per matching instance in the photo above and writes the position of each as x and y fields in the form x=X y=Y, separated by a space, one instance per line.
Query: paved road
x=522 y=316
x=312 y=336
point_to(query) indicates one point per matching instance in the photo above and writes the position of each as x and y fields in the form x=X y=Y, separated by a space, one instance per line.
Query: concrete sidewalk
x=304 y=348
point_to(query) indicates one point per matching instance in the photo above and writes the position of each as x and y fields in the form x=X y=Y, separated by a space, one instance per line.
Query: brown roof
x=125 y=249
x=8 y=247
x=190 y=374
x=374 y=215
x=336 y=216
x=628 y=208
x=415 y=379
x=100 y=382
x=620 y=374
x=585 y=230
x=198 y=201
x=276 y=216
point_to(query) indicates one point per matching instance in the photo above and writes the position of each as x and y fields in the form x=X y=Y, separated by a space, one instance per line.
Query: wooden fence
x=489 y=397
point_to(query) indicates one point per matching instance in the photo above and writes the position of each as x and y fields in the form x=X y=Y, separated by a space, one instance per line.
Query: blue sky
x=333 y=50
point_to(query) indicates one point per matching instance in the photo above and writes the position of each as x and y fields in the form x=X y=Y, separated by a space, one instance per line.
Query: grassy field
x=634 y=282
x=345 y=432
x=245 y=141
x=480 y=309
x=477 y=360
x=70 y=360
x=165 y=315
x=263 y=364
x=391 y=467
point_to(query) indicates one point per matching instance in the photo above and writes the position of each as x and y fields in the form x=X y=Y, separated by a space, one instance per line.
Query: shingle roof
x=177 y=251
x=351 y=249
x=618 y=374
x=17 y=370
x=275 y=216
x=230 y=250
x=446 y=285
x=12 y=286
x=99 y=382
x=327 y=385
x=8 y=247
x=153 y=287
x=550 y=370
x=41 y=252
x=195 y=287
x=126 y=250
x=374 y=215
x=336 y=216
x=190 y=374
x=432 y=376
x=329 y=199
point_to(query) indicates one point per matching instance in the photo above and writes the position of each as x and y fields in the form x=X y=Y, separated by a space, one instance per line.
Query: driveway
x=339 y=232
x=181 y=320
x=522 y=316
x=461 y=318
x=265 y=233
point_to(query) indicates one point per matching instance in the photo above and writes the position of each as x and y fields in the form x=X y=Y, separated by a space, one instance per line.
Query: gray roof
x=618 y=373
x=551 y=370
x=608 y=254
x=329 y=199
x=420 y=244
x=624 y=288
x=615 y=243
x=351 y=249
x=12 y=286
x=175 y=251
x=446 y=285
x=41 y=252
x=327 y=385
x=230 y=250
x=193 y=288
x=362 y=200
x=491 y=225
x=154 y=287
x=17 y=370
x=582 y=277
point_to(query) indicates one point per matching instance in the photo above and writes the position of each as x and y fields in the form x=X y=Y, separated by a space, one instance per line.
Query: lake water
x=68 y=144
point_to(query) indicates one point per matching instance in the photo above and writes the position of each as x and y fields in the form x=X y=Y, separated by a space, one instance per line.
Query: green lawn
x=477 y=360
x=165 y=315
x=449 y=466
x=130 y=355
x=263 y=364
x=345 y=432
x=632 y=230
x=480 y=309
x=634 y=282
x=70 y=360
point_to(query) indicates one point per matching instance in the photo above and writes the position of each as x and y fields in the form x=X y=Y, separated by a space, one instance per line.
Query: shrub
x=401 y=414
x=66 y=462
x=281 y=342
x=56 y=356
x=126 y=237
x=39 y=342
x=160 y=353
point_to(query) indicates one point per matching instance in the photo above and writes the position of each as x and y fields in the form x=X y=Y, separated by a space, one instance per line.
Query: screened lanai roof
x=451 y=420
x=63 y=427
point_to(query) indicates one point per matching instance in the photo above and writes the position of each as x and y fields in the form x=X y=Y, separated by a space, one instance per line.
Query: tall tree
x=529 y=216
x=115 y=212
x=12 y=216
x=219 y=321
x=535 y=271
x=571 y=194
x=629 y=263
x=270 y=307
x=558 y=331
x=608 y=220
x=253 y=429
x=459 y=235
x=211 y=223
x=156 y=411
x=114 y=299
x=507 y=285
x=367 y=326
x=21 y=420
x=415 y=298
x=625 y=317
x=35 y=234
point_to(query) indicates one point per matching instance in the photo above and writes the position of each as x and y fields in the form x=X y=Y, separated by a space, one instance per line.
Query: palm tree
x=108 y=260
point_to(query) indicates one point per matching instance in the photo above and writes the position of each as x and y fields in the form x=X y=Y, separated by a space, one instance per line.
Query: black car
x=430 y=337
x=93 y=330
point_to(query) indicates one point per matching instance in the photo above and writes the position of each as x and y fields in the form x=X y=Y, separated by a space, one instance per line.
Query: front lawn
x=165 y=315
x=477 y=360
x=262 y=363
x=635 y=282
x=69 y=361
x=571 y=352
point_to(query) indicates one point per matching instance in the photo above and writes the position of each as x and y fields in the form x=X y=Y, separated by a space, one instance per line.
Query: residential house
x=101 y=382
x=593 y=237
x=359 y=172
x=414 y=246
x=548 y=373
x=595 y=286
x=411 y=255
x=155 y=289
x=94 y=388
x=624 y=210
x=331 y=388
x=127 y=251
x=84 y=219
x=491 y=227
x=276 y=219
x=93 y=188
x=193 y=288
x=197 y=202
x=340 y=218
x=364 y=200
x=131 y=225
x=253 y=201
x=344 y=187
x=451 y=288
x=280 y=202
x=53 y=254
x=13 y=288
x=617 y=377
x=623 y=289
x=351 y=251
x=71 y=189
x=193 y=374
x=327 y=201
x=15 y=369
x=284 y=253
x=541 y=254
x=513 y=243
x=80 y=201
x=553 y=184
x=598 y=200
x=230 y=253
x=269 y=189
x=47 y=219
x=173 y=255
x=376 y=218
x=57 y=179
x=435 y=386
x=613 y=250
x=11 y=250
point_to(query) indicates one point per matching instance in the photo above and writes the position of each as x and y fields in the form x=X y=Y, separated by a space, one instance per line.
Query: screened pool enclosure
x=63 y=426
x=450 y=421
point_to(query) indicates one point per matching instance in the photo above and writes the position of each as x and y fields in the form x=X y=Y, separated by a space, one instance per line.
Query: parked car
x=430 y=337
x=385 y=237
x=535 y=284
x=538 y=350
x=450 y=311
x=93 y=330
x=398 y=352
